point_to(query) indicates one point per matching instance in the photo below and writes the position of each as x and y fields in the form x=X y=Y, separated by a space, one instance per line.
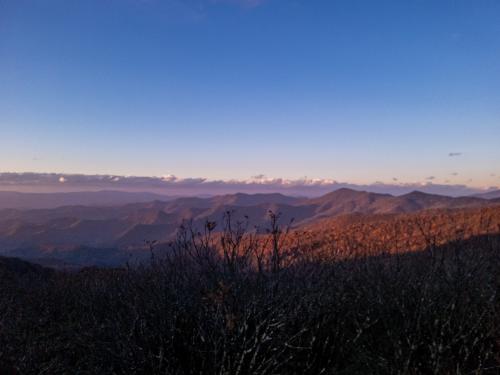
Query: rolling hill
x=65 y=230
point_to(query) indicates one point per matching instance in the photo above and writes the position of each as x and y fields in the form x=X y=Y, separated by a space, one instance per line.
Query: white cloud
x=172 y=185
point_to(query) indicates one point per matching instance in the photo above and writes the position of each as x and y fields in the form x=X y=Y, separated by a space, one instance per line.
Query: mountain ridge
x=129 y=226
x=23 y=200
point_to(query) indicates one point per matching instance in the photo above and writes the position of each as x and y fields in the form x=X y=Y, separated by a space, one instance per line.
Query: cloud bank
x=175 y=186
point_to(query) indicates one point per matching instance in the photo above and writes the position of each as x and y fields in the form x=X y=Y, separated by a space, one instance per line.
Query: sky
x=366 y=92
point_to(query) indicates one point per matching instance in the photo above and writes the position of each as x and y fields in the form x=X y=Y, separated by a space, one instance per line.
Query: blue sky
x=355 y=91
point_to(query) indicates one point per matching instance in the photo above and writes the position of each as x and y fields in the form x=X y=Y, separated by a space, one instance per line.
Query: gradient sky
x=357 y=91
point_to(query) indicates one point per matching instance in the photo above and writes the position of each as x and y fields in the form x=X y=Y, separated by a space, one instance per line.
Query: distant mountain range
x=99 y=234
x=16 y=200
x=495 y=194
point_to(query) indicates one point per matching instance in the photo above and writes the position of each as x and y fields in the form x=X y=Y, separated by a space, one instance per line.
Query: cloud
x=259 y=177
x=453 y=154
x=173 y=185
x=454 y=174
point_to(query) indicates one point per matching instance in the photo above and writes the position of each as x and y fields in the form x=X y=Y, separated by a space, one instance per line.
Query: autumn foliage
x=334 y=299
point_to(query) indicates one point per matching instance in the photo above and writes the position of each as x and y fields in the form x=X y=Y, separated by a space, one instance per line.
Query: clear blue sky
x=357 y=91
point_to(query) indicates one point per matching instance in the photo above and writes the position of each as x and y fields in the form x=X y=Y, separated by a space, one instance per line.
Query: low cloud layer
x=174 y=186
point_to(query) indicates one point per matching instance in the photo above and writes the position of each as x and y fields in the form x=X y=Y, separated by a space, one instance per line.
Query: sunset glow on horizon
x=363 y=93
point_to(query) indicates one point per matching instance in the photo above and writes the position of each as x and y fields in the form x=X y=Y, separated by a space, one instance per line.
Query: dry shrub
x=240 y=303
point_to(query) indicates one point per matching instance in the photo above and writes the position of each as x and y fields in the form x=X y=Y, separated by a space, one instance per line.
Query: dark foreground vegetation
x=236 y=303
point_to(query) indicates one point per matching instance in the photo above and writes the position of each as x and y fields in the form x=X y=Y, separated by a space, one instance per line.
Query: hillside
x=62 y=230
x=299 y=313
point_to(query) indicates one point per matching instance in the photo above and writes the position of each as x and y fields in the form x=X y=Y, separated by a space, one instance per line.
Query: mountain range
x=91 y=233
x=495 y=194
x=18 y=200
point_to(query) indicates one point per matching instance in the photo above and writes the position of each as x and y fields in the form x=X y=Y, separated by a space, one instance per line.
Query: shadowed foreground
x=243 y=310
